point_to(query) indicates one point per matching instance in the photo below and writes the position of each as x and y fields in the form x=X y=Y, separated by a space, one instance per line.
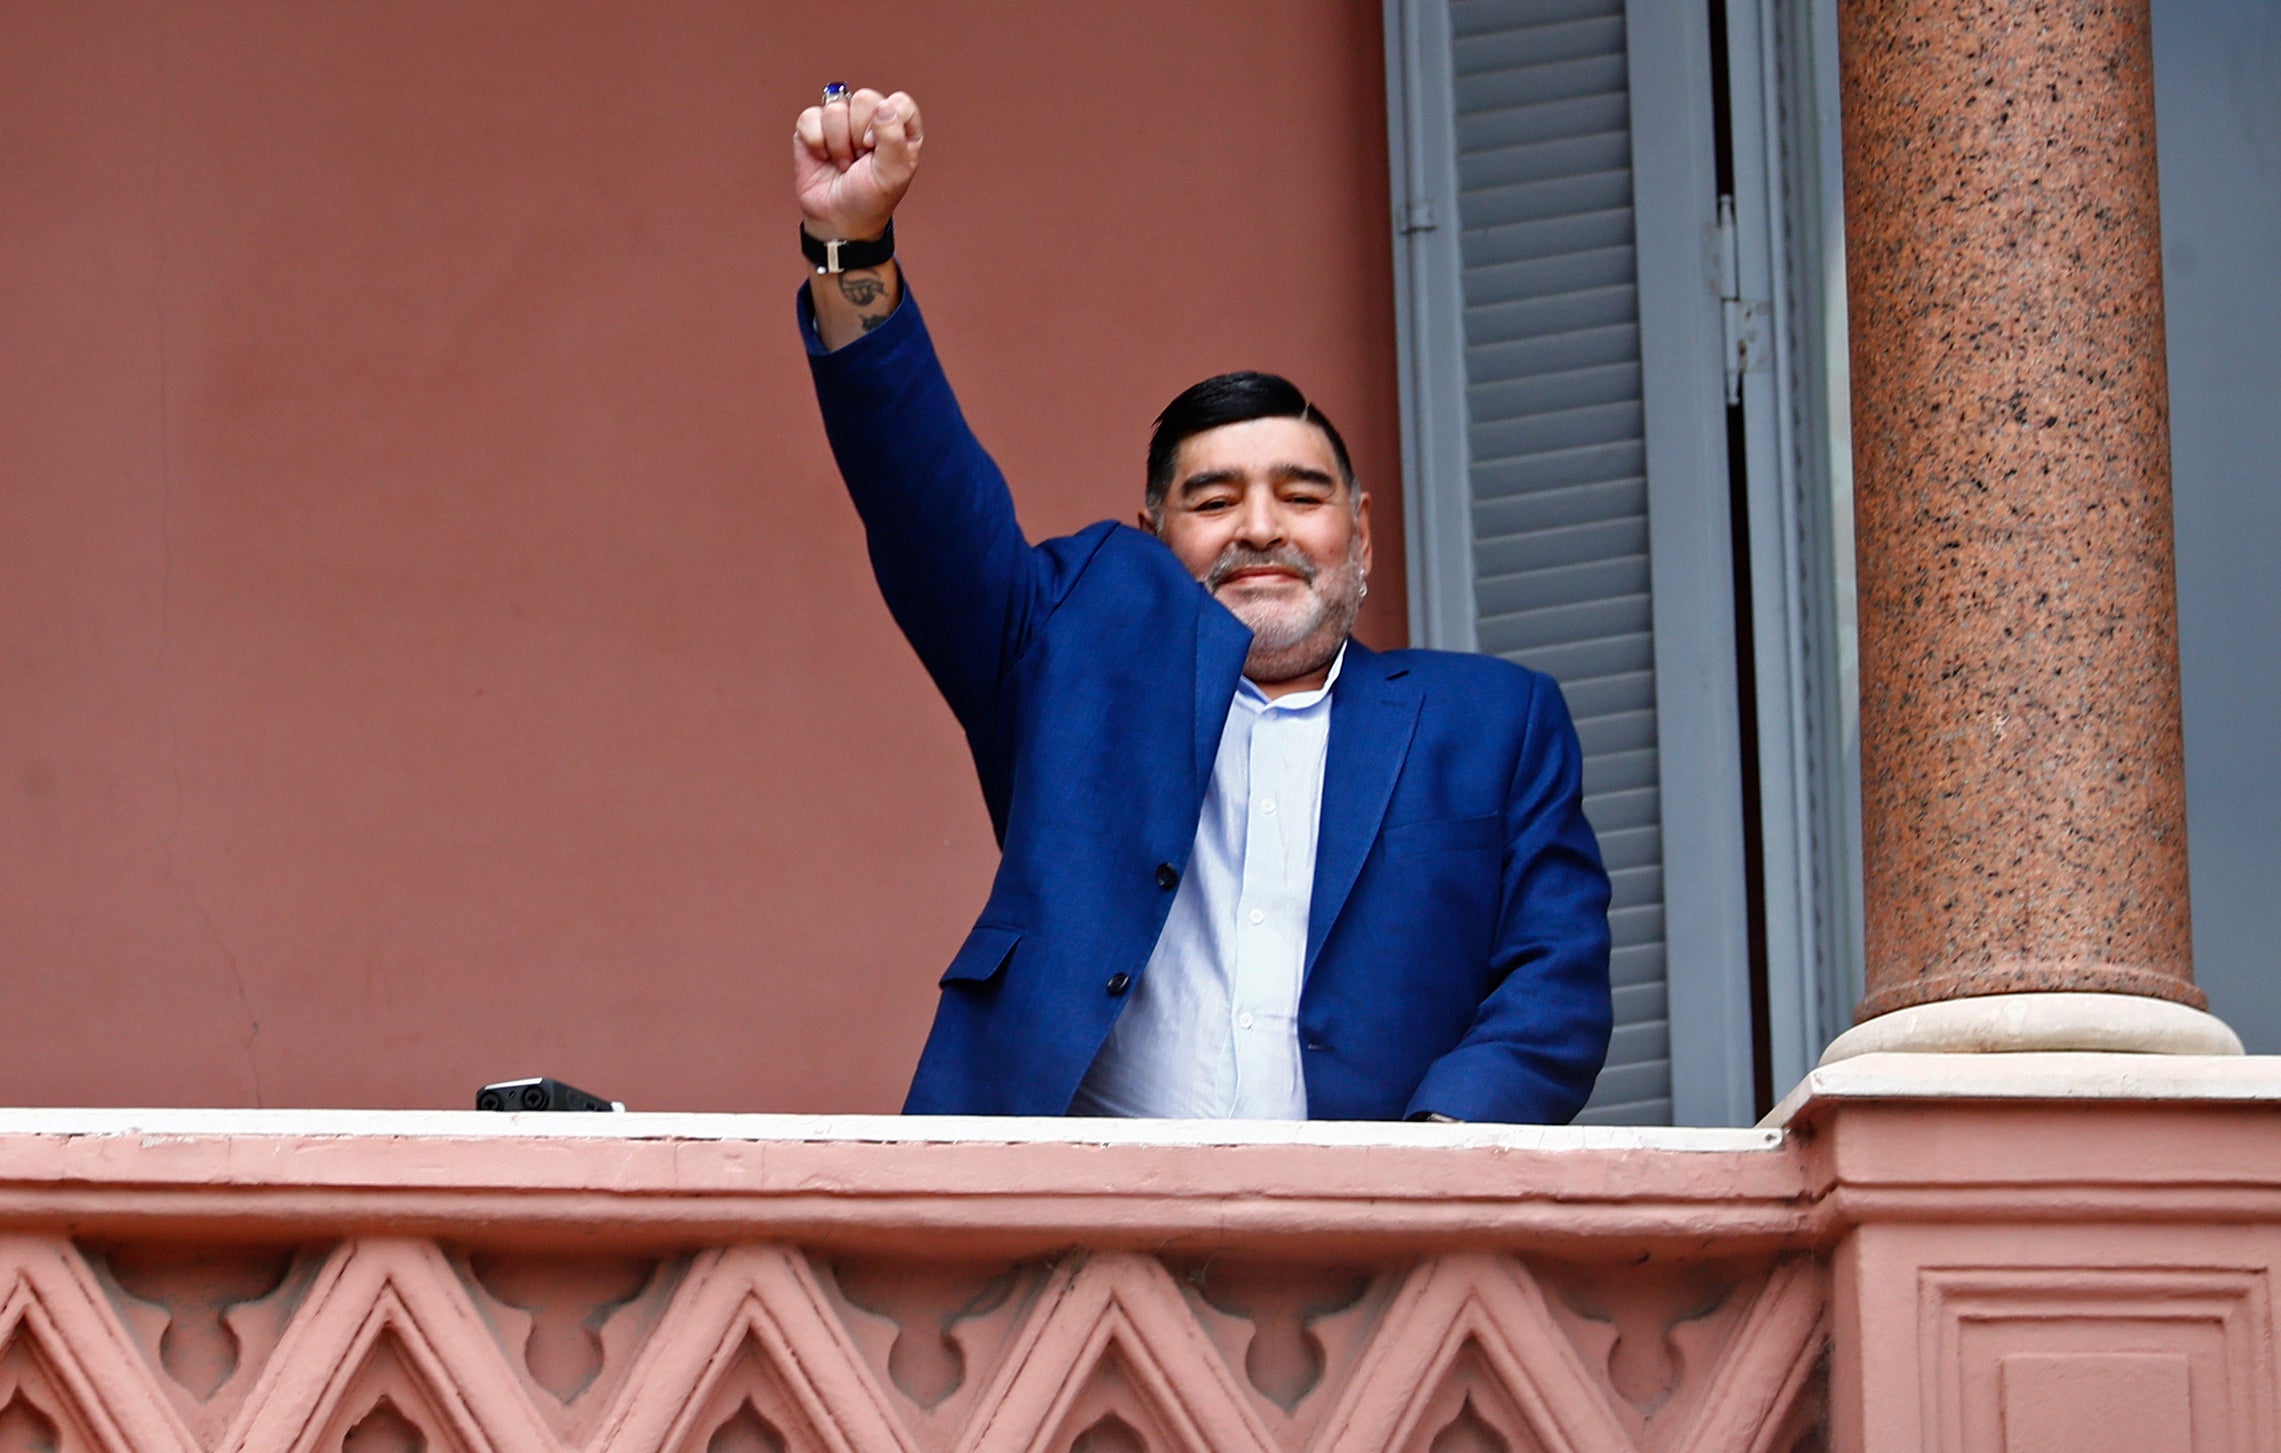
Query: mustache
x=1241 y=557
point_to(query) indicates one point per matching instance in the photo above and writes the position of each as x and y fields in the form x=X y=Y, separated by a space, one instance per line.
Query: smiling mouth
x=1256 y=574
x=1258 y=567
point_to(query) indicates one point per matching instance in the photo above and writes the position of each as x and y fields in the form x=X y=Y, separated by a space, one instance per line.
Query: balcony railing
x=1933 y=1253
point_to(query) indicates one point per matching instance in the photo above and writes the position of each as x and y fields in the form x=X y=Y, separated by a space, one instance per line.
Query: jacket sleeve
x=1537 y=1042
x=959 y=578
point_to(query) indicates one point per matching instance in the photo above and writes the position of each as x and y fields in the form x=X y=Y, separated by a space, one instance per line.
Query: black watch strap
x=839 y=255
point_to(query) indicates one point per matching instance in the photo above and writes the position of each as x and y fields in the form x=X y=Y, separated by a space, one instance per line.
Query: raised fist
x=852 y=161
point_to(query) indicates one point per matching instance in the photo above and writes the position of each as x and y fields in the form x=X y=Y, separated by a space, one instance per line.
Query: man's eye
x=1213 y=506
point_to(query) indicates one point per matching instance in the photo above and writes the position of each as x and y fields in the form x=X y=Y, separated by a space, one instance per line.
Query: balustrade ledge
x=1905 y=1137
x=1001 y=1186
x=311 y=1281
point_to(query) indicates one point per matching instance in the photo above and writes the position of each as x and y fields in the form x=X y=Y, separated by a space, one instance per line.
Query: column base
x=2008 y=1023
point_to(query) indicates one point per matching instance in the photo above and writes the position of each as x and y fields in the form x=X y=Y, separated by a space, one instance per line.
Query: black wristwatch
x=841 y=255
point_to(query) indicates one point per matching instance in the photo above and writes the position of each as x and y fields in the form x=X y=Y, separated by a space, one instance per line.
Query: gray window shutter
x=1560 y=548
x=1568 y=515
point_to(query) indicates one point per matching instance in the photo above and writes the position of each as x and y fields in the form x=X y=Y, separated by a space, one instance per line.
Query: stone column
x=2023 y=785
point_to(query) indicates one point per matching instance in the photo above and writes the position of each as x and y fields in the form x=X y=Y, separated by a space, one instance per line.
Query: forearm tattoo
x=862 y=288
x=866 y=291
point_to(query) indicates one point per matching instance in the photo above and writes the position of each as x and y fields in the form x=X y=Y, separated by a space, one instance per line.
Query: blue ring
x=835 y=91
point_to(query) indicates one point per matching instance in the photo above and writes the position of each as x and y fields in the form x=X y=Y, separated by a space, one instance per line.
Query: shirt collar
x=1258 y=700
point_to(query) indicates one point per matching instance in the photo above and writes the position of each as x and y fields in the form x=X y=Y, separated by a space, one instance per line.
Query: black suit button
x=1167 y=876
x=1118 y=983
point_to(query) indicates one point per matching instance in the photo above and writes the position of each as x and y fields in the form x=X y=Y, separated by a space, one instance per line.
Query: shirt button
x=1243 y=1021
x=1257 y=916
x=1266 y=804
x=1167 y=876
x=1118 y=983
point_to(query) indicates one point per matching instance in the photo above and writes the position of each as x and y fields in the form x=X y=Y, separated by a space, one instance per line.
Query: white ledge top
x=2036 y=1076
x=174 y=1124
x=1953 y=1077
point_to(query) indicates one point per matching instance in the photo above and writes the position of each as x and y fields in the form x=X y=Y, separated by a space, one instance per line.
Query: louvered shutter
x=1568 y=496
x=1552 y=363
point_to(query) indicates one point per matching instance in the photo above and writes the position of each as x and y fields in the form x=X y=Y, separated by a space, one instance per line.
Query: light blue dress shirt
x=1212 y=1031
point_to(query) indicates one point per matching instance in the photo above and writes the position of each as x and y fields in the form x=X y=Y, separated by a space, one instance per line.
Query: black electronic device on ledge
x=540 y=1094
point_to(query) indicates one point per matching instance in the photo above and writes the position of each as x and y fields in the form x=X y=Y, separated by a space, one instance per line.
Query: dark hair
x=1230 y=398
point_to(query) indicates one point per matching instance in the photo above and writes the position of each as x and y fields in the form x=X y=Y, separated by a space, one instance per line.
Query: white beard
x=1292 y=637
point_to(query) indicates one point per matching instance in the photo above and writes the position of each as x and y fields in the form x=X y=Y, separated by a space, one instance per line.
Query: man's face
x=1259 y=513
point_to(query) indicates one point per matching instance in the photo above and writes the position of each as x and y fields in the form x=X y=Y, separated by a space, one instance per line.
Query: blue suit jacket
x=1457 y=940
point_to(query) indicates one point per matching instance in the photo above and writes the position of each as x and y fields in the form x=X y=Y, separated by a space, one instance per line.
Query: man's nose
x=1260 y=523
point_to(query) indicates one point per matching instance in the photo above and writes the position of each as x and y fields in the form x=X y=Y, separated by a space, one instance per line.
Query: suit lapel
x=1373 y=715
x=1222 y=642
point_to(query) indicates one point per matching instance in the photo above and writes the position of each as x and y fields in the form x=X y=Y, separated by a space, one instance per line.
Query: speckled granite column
x=2023 y=789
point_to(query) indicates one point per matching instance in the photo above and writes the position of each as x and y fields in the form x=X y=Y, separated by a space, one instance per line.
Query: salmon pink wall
x=433 y=644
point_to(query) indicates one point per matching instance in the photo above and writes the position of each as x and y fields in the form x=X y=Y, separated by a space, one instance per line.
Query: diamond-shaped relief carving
x=1114 y=1409
x=1292 y=1330
x=1767 y=1392
x=751 y=1326
x=193 y=1290
x=751 y=1407
x=1112 y=1336
x=563 y=1304
x=1284 y=1308
x=1696 y=1355
x=936 y=1330
x=1690 y=1353
x=572 y=1326
x=386 y=1407
x=68 y=1364
x=206 y=1317
x=388 y=1320
x=393 y=1347
x=1649 y=1331
x=1471 y=1327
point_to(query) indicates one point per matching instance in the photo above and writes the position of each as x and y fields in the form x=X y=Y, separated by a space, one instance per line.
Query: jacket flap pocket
x=982 y=955
x=1446 y=835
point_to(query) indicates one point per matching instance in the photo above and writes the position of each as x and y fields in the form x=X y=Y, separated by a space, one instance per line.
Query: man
x=1250 y=867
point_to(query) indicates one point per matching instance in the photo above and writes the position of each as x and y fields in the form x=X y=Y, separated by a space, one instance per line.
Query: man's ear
x=1362 y=525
